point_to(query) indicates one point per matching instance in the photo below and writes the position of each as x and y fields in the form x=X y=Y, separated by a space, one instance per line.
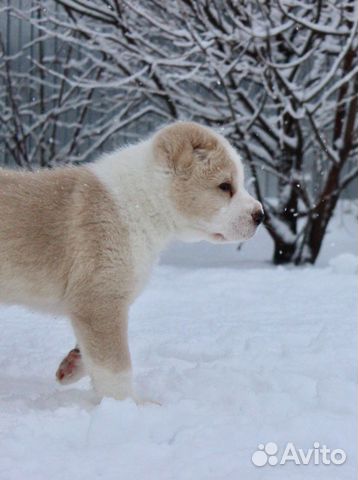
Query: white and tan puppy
x=81 y=241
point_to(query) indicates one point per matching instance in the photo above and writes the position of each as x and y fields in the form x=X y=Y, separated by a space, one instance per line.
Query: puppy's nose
x=258 y=216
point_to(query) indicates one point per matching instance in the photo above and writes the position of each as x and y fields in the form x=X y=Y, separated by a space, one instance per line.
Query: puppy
x=80 y=241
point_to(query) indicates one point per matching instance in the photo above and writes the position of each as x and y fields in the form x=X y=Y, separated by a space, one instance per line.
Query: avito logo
x=268 y=454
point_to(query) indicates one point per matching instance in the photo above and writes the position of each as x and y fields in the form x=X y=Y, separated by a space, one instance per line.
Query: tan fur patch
x=51 y=221
x=200 y=163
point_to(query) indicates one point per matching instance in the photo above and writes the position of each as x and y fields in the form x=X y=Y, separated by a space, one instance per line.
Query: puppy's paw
x=71 y=369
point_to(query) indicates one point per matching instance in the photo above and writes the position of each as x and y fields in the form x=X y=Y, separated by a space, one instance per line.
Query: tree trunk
x=319 y=226
x=283 y=252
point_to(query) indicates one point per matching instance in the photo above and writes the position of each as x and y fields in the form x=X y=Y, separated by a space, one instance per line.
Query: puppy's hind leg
x=71 y=369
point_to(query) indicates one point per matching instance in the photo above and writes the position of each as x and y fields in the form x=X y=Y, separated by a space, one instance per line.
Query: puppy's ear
x=177 y=146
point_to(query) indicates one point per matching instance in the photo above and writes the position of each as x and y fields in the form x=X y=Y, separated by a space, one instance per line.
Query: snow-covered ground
x=238 y=352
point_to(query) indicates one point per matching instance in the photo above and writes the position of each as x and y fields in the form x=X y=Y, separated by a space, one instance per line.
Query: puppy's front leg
x=100 y=324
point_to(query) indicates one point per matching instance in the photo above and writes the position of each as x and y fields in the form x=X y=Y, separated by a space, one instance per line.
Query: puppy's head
x=206 y=184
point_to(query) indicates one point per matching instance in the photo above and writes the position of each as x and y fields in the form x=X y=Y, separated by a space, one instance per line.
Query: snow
x=344 y=263
x=237 y=352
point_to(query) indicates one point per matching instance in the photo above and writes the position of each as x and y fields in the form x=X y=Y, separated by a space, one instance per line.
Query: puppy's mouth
x=218 y=237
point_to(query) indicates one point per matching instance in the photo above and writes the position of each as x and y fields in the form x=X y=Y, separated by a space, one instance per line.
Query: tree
x=51 y=109
x=38 y=104
x=279 y=78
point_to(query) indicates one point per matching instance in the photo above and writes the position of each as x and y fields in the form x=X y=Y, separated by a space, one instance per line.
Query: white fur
x=141 y=194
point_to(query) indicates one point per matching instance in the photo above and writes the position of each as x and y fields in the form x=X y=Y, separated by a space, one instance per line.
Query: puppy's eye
x=227 y=187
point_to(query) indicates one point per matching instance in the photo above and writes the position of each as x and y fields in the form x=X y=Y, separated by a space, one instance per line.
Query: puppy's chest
x=143 y=261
